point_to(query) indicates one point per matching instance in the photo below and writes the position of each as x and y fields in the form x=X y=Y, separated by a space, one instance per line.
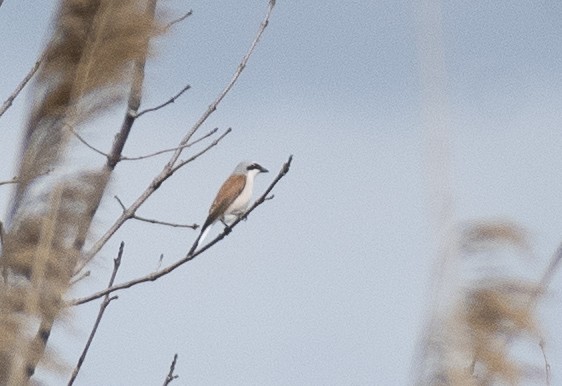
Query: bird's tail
x=204 y=231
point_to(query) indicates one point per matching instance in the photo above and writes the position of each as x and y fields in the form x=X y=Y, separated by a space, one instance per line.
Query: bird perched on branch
x=232 y=199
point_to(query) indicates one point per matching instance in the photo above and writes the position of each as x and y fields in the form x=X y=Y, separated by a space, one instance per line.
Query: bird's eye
x=252 y=166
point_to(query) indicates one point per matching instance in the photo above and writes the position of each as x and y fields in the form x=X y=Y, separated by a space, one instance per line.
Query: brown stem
x=103 y=306
x=170 y=377
x=8 y=102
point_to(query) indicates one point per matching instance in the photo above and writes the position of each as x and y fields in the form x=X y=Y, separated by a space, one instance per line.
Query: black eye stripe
x=252 y=166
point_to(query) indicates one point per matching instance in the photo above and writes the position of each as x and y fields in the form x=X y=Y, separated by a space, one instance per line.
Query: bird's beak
x=263 y=170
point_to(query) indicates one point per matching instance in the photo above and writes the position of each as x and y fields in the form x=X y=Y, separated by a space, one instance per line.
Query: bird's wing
x=228 y=192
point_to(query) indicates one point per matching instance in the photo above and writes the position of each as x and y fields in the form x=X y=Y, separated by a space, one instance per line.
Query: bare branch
x=1 y=233
x=167 y=171
x=85 y=142
x=190 y=256
x=170 y=377
x=172 y=149
x=152 y=221
x=169 y=101
x=8 y=102
x=204 y=137
x=103 y=306
x=170 y=224
x=241 y=66
x=156 y=153
x=548 y=375
x=84 y=275
x=551 y=269
x=14 y=180
x=197 y=155
x=125 y=158
x=180 y=19
x=160 y=260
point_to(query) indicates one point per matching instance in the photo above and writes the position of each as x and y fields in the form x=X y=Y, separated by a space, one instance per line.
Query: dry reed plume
x=86 y=69
x=471 y=339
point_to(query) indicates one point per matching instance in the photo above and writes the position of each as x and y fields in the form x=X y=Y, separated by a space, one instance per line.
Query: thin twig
x=167 y=170
x=8 y=102
x=212 y=132
x=178 y=20
x=14 y=180
x=190 y=256
x=551 y=269
x=197 y=155
x=152 y=221
x=546 y=278
x=169 y=101
x=103 y=306
x=160 y=260
x=156 y=153
x=172 y=149
x=85 y=142
x=170 y=224
x=84 y=275
x=241 y=66
x=126 y=158
x=170 y=377
x=546 y=364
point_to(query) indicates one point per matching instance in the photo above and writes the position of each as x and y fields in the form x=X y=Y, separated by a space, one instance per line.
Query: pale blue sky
x=327 y=284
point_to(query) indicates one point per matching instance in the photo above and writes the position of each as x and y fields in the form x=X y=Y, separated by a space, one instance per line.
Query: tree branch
x=172 y=149
x=82 y=276
x=85 y=142
x=190 y=256
x=197 y=155
x=551 y=269
x=14 y=180
x=152 y=221
x=2 y=235
x=103 y=306
x=178 y=20
x=170 y=377
x=241 y=66
x=171 y=100
x=126 y=158
x=548 y=374
x=8 y=102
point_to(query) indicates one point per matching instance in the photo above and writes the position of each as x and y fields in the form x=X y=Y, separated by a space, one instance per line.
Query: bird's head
x=249 y=168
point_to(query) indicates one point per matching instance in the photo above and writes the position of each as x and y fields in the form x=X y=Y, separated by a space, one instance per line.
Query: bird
x=232 y=199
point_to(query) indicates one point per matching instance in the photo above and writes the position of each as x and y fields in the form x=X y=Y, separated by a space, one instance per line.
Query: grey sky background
x=327 y=283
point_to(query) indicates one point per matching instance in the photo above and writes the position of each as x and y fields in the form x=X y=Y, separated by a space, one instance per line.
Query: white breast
x=240 y=204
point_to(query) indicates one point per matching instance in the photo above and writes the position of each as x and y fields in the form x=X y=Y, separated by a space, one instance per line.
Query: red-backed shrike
x=232 y=199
